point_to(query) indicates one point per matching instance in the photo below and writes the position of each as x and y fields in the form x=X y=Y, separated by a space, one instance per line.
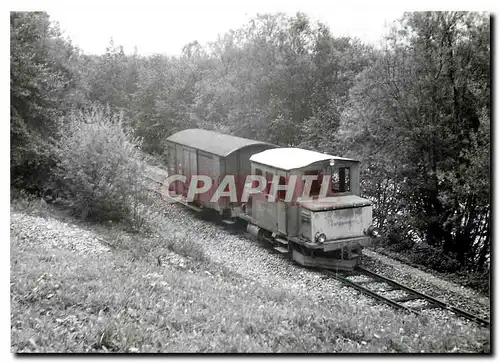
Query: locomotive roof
x=292 y=158
x=212 y=142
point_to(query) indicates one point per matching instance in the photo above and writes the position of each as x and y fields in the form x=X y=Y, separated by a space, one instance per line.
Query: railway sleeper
x=366 y=282
x=392 y=288
x=407 y=298
x=426 y=306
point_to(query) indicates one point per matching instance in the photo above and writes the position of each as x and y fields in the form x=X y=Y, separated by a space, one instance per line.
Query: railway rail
x=372 y=278
x=398 y=303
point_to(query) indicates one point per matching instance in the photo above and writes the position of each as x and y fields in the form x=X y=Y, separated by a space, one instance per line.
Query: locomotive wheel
x=305 y=251
x=263 y=233
x=240 y=224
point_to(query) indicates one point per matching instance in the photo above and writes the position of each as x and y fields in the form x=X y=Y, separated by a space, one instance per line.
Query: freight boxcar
x=203 y=152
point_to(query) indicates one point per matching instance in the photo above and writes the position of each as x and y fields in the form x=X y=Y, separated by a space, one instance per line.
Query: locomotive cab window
x=341 y=180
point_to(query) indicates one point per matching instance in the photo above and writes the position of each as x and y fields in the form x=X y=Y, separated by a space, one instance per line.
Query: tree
x=42 y=79
x=419 y=109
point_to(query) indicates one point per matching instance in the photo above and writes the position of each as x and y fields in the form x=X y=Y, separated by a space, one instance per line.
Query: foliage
x=44 y=85
x=159 y=107
x=99 y=168
x=419 y=120
x=478 y=280
x=274 y=77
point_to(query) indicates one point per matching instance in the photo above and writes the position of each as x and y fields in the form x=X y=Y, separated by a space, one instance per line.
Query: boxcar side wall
x=209 y=165
x=171 y=158
x=180 y=187
x=191 y=164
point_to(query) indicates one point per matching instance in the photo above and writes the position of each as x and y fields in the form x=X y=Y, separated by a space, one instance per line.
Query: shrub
x=100 y=169
x=433 y=258
x=478 y=280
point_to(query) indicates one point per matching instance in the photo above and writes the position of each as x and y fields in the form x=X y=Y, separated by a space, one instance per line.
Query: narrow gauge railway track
x=371 y=278
x=409 y=293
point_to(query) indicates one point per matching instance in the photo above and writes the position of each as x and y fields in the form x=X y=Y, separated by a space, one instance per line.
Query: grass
x=125 y=301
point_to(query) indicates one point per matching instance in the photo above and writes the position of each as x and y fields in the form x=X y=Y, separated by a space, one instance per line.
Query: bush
x=100 y=169
x=433 y=258
x=478 y=280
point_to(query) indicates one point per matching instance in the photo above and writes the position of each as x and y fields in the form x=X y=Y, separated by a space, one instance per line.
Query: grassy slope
x=124 y=300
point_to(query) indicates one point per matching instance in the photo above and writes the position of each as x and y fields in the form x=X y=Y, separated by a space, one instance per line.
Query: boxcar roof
x=292 y=158
x=212 y=142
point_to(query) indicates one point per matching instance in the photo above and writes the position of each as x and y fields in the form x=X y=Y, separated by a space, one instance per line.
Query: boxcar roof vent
x=292 y=158
x=212 y=142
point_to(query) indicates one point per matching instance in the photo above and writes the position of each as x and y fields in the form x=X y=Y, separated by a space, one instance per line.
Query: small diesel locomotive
x=304 y=203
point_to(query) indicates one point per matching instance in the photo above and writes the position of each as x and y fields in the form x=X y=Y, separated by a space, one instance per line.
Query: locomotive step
x=228 y=221
x=281 y=249
x=282 y=241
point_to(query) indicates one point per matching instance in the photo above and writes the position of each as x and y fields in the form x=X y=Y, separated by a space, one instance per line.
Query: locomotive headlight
x=320 y=237
x=373 y=231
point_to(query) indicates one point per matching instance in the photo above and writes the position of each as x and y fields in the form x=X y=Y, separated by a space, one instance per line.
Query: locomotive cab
x=323 y=222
